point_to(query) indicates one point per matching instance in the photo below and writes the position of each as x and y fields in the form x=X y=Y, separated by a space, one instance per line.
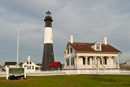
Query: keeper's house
x=91 y=55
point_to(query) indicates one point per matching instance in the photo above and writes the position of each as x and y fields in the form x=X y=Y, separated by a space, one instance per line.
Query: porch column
x=92 y=61
x=69 y=61
x=65 y=63
x=118 y=63
x=110 y=63
x=102 y=62
x=95 y=61
x=76 y=62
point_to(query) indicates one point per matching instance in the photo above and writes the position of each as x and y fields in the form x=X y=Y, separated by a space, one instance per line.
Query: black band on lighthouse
x=48 y=19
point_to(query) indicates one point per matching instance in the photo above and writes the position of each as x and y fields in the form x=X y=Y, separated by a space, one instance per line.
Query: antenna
x=17 y=46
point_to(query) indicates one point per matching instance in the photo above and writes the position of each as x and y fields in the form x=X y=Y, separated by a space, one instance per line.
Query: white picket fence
x=45 y=73
x=72 y=72
x=2 y=74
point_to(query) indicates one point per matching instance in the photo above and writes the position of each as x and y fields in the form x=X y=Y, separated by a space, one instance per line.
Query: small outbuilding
x=30 y=66
x=55 y=66
x=10 y=65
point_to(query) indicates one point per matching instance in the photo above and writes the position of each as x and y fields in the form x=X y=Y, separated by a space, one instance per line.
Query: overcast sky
x=88 y=20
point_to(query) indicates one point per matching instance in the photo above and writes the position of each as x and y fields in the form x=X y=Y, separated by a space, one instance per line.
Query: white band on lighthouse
x=48 y=35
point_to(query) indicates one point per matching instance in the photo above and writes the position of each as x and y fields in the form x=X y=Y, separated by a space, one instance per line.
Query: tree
x=20 y=64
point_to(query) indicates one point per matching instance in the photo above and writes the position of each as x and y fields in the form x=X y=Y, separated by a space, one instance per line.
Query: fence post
x=7 y=73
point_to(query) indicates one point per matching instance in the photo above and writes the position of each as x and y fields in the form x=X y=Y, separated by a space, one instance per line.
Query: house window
x=83 y=60
x=88 y=61
x=68 y=51
x=27 y=62
x=27 y=67
x=32 y=67
x=30 y=62
x=67 y=61
x=98 y=47
x=72 y=61
x=24 y=65
x=105 y=61
x=71 y=50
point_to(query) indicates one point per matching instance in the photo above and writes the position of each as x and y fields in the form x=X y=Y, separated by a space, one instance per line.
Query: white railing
x=80 y=66
x=45 y=73
x=72 y=72
x=2 y=74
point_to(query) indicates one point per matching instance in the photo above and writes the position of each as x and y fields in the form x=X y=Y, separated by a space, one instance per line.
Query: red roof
x=88 y=47
x=54 y=64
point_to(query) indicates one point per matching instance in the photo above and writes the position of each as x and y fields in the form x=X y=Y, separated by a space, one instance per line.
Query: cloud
x=30 y=35
x=87 y=20
x=31 y=8
x=91 y=23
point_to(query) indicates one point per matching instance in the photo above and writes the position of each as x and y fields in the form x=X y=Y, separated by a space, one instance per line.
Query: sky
x=87 y=20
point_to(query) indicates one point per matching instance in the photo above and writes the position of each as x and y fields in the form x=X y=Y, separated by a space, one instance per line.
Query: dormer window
x=98 y=46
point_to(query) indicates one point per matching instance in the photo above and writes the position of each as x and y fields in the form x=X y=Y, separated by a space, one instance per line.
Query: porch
x=93 y=62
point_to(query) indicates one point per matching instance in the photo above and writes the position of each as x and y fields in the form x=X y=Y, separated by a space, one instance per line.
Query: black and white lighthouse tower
x=48 y=54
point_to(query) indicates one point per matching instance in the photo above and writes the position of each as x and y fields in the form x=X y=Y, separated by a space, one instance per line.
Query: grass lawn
x=71 y=81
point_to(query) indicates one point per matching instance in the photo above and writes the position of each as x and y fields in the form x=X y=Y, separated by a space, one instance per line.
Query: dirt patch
x=20 y=80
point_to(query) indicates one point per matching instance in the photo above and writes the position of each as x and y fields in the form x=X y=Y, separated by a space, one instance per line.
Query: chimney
x=71 y=39
x=28 y=58
x=105 y=40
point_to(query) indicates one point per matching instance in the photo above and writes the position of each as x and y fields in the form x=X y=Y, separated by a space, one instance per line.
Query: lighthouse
x=48 y=54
